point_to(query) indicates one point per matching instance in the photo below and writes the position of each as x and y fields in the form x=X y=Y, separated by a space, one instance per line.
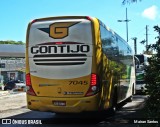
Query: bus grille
x=60 y=59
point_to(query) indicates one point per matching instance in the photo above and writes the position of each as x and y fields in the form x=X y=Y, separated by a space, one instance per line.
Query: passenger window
x=109 y=44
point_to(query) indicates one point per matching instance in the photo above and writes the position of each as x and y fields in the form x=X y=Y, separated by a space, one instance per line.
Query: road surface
x=13 y=106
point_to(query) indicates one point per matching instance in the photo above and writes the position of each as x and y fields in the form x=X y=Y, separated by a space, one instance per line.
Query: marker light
x=33 y=21
x=89 y=18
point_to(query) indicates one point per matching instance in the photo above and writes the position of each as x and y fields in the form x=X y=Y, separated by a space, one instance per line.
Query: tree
x=152 y=79
x=12 y=42
x=129 y=1
x=152 y=76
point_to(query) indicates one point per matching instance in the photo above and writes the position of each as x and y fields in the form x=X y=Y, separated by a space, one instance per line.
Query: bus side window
x=109 y=44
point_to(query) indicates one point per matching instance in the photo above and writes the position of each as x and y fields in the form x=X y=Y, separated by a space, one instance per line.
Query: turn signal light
x=93 y=79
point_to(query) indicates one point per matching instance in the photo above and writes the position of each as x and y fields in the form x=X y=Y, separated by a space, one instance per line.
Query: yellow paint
x=106 y=69
x=51 y=87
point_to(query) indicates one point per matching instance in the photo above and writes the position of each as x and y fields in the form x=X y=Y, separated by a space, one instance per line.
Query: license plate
x=59 y=103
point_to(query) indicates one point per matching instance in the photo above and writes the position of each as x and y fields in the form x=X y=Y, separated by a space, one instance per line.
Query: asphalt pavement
x=125 y=116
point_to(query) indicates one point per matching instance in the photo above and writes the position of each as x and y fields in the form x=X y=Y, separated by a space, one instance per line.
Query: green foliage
x=12 y=42
x=153 y=80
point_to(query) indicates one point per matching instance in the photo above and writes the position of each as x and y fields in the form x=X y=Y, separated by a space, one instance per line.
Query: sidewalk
x=12 y=104
x=2 y=93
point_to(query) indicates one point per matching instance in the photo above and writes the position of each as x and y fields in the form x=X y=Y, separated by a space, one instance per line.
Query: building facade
x=12 y=62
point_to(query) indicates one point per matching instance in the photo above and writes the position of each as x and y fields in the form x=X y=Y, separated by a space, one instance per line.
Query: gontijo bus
x=76 y=64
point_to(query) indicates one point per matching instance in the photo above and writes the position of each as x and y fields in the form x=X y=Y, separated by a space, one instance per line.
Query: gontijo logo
x=59 y=53
x=58 y=30
x=60 y=47
x=63 y=53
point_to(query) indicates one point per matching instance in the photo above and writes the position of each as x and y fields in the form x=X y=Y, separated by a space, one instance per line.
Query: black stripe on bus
x=81 y=59
x=60 y=55
x=60 y=64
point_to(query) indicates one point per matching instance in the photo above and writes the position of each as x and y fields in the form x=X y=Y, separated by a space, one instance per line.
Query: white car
x=20 y=86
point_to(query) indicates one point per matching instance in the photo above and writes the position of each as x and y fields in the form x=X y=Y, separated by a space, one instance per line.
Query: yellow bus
x=76 y=64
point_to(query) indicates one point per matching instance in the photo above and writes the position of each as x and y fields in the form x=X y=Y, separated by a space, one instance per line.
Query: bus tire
x=114 y=102
x=133 y=91
x=130 y=99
